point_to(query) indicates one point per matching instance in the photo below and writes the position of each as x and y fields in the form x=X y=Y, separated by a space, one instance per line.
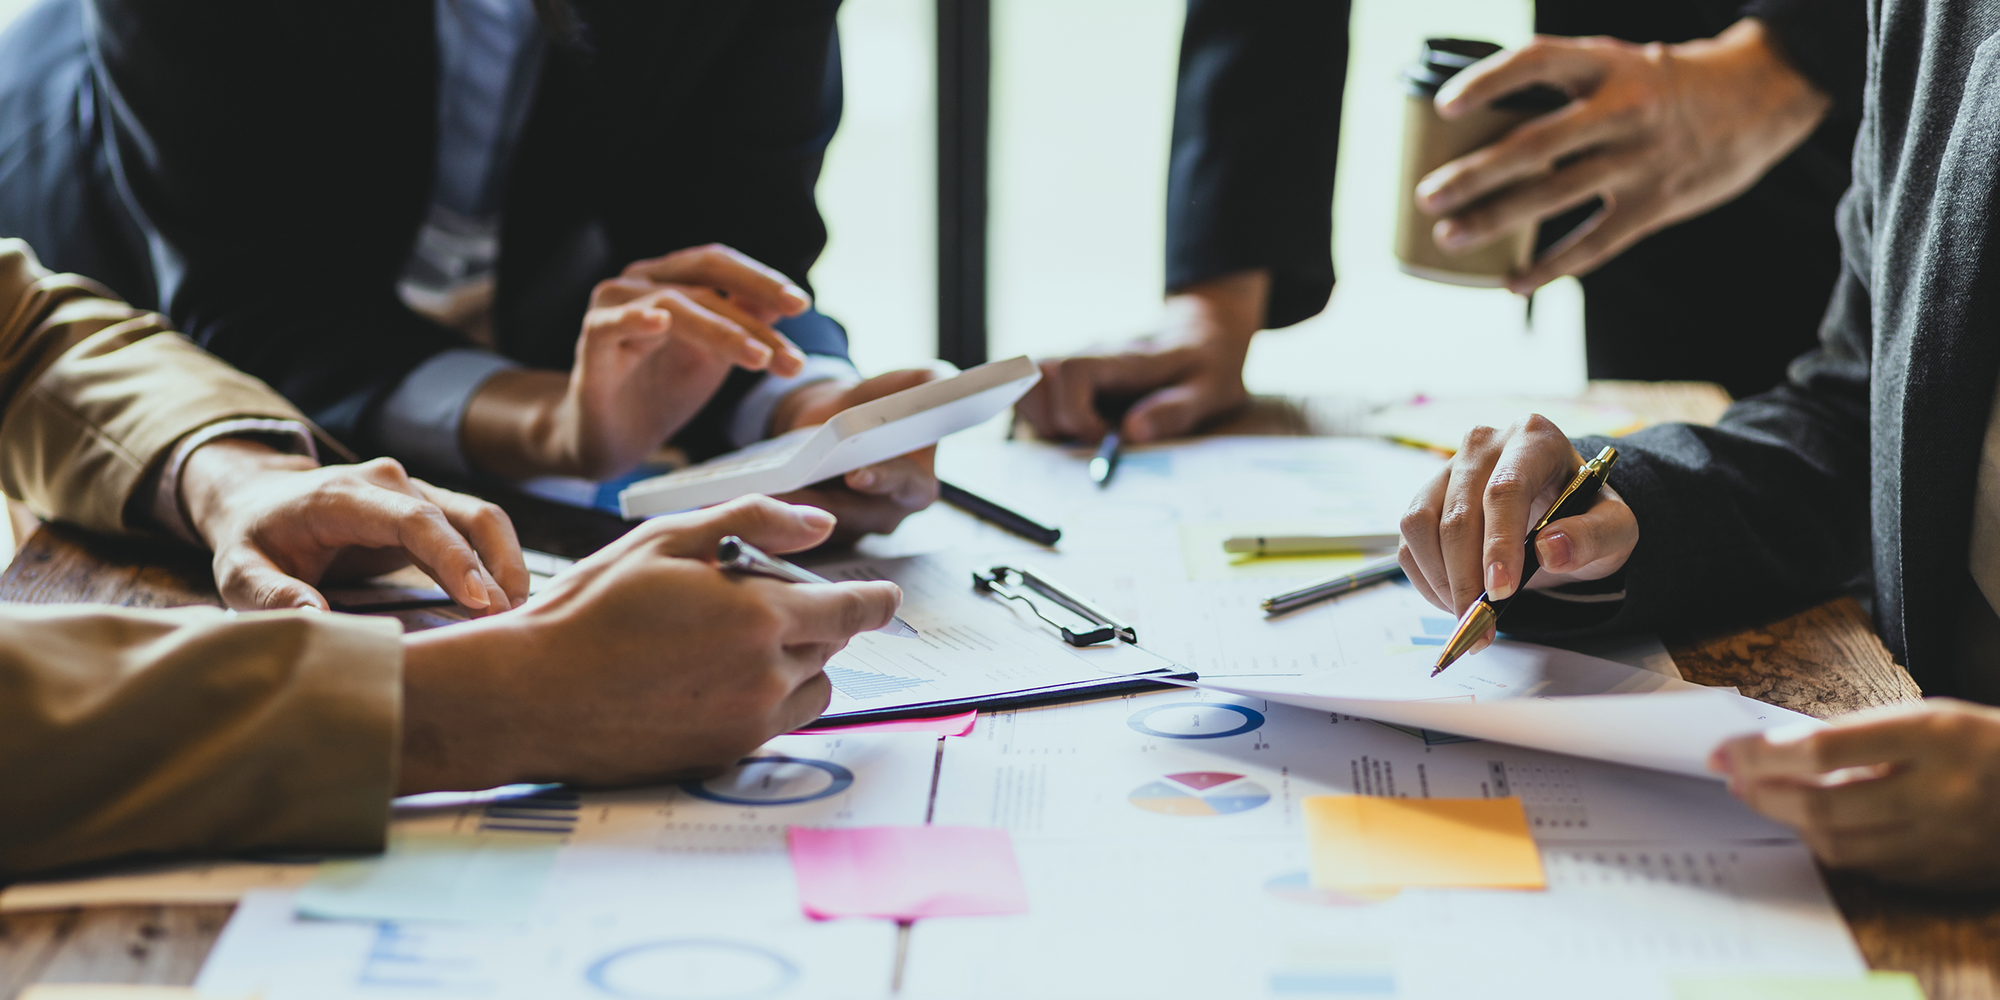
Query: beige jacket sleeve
x=129 y=732
x=94 y=394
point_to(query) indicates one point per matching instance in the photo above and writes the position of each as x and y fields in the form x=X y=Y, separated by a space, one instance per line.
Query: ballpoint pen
x=737 y=555
x=1485 y=612
x=984 y=509
x=1112 y=447
x=1333 y=586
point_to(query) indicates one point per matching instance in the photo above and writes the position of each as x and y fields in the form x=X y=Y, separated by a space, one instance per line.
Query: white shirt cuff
x=419 y=422
x=752 y=422
x=170 y=508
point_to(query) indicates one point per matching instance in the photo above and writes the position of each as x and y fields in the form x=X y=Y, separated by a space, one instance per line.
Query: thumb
x=251 y=582
x=1593 y=544
x=771 y=525
x=1170 y=412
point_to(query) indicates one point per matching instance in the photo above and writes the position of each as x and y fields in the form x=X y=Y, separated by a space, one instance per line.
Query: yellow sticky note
x=1368 y=842
x=1873 y=986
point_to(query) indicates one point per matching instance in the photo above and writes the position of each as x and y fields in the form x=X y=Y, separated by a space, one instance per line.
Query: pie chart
x=1200 y=793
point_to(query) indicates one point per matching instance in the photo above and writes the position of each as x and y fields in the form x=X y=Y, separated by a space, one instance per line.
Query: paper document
x=970 y=647
x=1170 y=829
x=906 y=872
x=685 y=887
x=1544 y=698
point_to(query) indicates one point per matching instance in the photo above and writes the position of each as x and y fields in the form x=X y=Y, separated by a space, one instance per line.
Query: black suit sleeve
x=1827 y=40
x=270 y=177
x=1759 y=516
x=1256 y=127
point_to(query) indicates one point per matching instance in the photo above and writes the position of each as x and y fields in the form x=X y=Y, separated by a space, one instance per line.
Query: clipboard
x=1069 y=619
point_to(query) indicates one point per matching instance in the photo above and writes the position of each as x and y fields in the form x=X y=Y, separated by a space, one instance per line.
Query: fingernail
x=862 y=478
x=1448 y=234
x=1499 y=583
x=475 y=590
x=1555 y=551
x=815 y=518
x=798 y=295
x=1427 y=192
x=307 y=605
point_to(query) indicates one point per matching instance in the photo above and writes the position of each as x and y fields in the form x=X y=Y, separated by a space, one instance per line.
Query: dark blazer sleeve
x=279 y=161
x=1827 y=40
x=1256 y=127
x=1763 y=514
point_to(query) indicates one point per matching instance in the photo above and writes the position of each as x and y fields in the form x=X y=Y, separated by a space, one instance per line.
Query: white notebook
x=861 y=435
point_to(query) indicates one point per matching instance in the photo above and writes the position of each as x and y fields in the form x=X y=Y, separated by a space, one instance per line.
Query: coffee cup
x=1429 y=142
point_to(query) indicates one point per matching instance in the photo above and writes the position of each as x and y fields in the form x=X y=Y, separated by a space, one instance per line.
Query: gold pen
x=1485 y=612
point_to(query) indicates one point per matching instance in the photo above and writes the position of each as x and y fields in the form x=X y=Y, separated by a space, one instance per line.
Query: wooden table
x=1823 y=662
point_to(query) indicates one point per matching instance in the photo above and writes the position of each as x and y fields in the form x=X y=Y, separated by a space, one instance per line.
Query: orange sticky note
x=1371 y=843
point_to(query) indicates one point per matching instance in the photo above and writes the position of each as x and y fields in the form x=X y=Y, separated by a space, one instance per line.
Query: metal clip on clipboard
x=1025 y=587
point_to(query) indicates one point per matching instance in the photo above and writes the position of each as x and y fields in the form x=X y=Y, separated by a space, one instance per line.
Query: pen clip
x=1025 y=587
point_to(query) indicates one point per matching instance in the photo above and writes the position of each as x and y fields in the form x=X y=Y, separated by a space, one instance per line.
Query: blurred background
x=1082 y=106
x=1081 y=109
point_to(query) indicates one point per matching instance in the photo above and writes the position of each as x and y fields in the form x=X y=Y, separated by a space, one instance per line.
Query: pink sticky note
x=906 y=872
x=946 y=725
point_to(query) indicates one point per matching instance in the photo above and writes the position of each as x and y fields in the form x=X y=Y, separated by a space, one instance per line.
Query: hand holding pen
x=1467 y=531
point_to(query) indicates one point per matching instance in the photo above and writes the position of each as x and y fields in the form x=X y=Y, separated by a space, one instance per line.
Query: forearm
x=132 y=732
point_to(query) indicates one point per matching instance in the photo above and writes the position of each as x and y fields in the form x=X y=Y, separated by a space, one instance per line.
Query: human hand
x=1466 y=530
x=657 y=342
x=874 y=498
x=1660 y=132
x=645 y=662
x=279 y=524
x=1909 y=793
x=1189 y=371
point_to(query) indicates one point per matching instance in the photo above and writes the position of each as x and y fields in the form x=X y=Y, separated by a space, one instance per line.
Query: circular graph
x=691 y=970
x=1200 y=793
x=773 y=781
x=1197 y=720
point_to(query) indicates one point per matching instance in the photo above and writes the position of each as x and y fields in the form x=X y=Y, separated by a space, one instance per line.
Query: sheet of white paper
x=968 y=645
x=682 y=888
x=1656 y=723
x=1221 y=920
x=1165 y=830
x=1105 y=769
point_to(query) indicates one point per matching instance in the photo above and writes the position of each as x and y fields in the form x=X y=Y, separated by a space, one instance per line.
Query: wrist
x=514 y=426
x=222 y=470
x=809 y=404
x=1223 y=312
x=457 y=683
x=1747 y=59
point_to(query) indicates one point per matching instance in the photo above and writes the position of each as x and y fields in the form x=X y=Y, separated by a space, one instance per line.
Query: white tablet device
x=861 y=435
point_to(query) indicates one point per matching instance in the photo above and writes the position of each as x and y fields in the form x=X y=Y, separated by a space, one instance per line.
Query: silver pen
x=1333 y=586
x=733 y=553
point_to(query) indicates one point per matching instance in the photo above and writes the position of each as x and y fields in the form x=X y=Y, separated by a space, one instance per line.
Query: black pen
x=1485 y=612
x=1112 y=448
x=987 y=510
x=733 y=553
